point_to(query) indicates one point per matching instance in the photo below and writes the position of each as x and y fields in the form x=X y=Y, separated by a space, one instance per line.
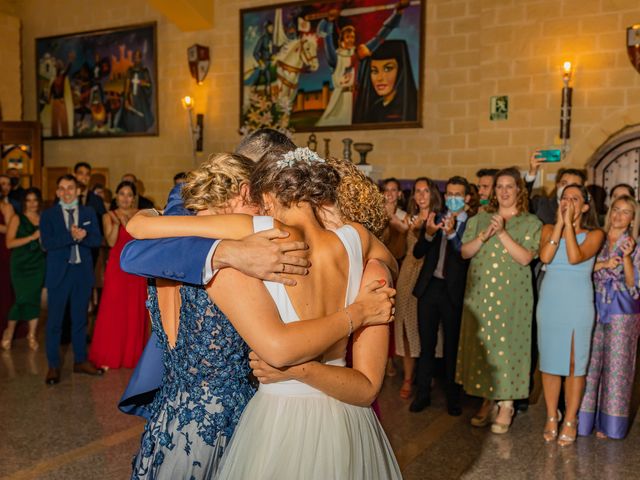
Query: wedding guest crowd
x=55 y=248
x=490 y=274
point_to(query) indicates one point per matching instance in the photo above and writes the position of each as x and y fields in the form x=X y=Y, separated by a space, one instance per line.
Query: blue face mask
x=66 y=206
x=454 y=204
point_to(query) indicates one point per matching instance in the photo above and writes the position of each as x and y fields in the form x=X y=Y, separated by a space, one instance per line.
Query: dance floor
x=74 y=431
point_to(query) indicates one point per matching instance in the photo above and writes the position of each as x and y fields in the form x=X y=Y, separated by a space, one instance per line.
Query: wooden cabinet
x=21 y=148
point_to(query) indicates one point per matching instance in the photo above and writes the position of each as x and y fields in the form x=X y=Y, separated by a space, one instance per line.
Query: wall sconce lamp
x=196 y=129
x=565 y=107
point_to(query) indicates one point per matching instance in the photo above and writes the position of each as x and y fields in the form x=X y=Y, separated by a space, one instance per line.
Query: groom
x=194 y=260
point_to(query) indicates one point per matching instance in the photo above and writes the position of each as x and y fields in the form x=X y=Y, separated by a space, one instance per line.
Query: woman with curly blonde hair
x=494 y=353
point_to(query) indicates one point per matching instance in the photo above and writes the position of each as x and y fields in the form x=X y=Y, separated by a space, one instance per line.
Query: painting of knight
x=332 y=65
x=98 y=84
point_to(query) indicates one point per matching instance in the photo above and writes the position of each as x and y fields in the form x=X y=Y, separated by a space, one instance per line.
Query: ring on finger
x=283 y=268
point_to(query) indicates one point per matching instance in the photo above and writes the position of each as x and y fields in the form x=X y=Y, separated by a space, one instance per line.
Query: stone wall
x=11 y=82
x=474 y=49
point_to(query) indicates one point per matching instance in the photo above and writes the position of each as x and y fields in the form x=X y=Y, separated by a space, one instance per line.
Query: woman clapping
x=565 y=310
x=494 y=353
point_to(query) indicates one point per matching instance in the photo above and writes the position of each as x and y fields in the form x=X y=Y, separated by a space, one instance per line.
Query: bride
x=291 y=429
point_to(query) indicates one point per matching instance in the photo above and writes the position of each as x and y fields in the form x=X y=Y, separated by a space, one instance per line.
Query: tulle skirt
x=307 y=437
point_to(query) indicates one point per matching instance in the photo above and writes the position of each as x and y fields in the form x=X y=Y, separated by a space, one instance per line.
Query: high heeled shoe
x=6 y=340
x=502 y=428
x=564 y=440
x=480 y=421
x=405 y=391
x=33 y=343
x=551 y=435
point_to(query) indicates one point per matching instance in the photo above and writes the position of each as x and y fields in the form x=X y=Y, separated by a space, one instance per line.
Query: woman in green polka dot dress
x=494 y=353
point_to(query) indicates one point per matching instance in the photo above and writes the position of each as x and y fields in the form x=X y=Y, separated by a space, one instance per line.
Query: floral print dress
x=204 y=391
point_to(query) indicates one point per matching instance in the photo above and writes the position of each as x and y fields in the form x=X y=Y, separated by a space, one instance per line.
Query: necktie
x=74 y=257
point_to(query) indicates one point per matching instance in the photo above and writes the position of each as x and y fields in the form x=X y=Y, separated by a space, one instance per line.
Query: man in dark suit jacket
x=440 y=292
x=68 y=232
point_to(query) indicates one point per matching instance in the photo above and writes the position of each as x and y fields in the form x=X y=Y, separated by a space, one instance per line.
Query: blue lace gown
x=204 y=391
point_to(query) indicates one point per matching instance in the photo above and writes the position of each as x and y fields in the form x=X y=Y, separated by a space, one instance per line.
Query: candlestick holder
x=346 y=152
x=363 y=149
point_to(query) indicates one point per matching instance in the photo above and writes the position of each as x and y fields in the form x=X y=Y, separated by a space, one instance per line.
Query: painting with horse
x=328 y=65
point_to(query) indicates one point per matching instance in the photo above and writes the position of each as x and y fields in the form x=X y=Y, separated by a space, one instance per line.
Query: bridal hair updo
x=359 y=200
x=294 y=176
x=216 y=181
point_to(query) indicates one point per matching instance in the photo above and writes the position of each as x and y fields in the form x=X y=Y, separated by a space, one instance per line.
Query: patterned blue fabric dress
x=204 y=391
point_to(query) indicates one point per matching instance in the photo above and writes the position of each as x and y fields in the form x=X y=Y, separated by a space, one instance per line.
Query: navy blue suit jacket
x=180 y=259
x=57 y=242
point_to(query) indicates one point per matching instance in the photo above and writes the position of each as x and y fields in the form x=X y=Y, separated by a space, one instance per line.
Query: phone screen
x=550 y=155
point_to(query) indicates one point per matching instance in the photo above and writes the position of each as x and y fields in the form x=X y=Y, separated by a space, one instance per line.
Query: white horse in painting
x=294 y=57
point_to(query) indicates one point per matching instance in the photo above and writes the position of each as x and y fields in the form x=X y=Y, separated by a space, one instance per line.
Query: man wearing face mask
x=68 y=232
x=440 y=293
x=542 y=206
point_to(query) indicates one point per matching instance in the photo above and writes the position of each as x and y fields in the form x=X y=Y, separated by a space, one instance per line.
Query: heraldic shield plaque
x=633 y=46
x=198 y=62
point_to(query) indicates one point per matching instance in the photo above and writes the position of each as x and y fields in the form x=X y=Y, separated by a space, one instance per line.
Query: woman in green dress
x=494 y=353
x=27 y=268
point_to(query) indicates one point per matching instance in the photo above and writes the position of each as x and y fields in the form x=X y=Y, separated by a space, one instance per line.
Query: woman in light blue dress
x=566 y=311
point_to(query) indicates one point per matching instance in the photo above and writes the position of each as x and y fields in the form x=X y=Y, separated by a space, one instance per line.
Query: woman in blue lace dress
x=205 y=386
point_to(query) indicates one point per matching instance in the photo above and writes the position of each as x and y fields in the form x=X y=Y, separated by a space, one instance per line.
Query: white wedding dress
x=291 y=431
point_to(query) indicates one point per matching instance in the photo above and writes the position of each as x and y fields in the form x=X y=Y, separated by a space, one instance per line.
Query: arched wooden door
x=618 y=160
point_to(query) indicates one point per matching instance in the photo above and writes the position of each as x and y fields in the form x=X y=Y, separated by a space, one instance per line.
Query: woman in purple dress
x=606 y=400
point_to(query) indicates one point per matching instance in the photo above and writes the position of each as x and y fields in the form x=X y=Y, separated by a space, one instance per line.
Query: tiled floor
x=74 y=431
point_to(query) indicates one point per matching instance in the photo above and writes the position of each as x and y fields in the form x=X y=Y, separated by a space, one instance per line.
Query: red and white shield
x=198 y=62
x=633 y=46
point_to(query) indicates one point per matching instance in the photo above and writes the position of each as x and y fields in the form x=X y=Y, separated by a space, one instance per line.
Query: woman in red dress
x=122 y=325
x=6 y=292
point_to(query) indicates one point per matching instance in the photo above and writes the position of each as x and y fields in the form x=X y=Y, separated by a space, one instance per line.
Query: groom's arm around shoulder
x=182 y=259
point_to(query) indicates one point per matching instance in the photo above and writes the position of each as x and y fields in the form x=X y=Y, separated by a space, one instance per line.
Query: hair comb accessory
x=300 y=154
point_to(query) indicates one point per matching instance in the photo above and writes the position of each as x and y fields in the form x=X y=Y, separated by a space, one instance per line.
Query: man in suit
x=68 y=232
x=440 y=293
x=82 y=172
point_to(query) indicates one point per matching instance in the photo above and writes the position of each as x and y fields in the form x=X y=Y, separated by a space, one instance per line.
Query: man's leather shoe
x=87 y=368
x=454 y=410
x=521 y=406
x=53 y=376
x=419 y=403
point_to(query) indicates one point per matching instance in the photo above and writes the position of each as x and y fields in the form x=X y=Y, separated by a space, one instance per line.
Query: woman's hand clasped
x=376 y=303
x=265 y=373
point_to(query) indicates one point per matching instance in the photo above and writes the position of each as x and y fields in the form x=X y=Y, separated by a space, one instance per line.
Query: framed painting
x=98 y=84
x=332 y=65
